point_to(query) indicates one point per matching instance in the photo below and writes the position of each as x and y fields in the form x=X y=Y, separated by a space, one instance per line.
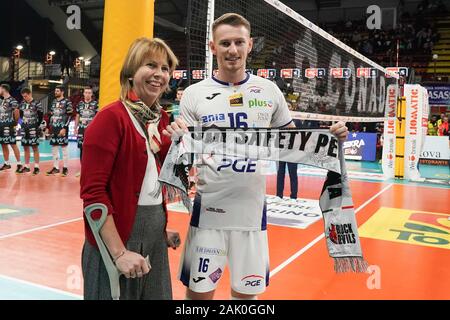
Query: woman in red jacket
x=122 y=153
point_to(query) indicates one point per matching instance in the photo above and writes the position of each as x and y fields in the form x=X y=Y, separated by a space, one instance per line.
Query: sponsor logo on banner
x=438 y=94
x=360 y=146
x=311 y=73
x=341 y=73
x=252 y=280
x=179 y=74
x=428 y=229
x=215 y=276
x=299 y=214
x=414 y=132
x=198 y=74
x=435 y=151
x=290 y=73
x=236 y=100
x=367 y=72
x=401 y=71
x=267 y=73
x=389 y=131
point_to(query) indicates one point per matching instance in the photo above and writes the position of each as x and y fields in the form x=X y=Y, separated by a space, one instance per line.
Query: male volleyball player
x=228 y=222
x=9 y=115
x=60 y=116
x=32 y=113
x=86 y=111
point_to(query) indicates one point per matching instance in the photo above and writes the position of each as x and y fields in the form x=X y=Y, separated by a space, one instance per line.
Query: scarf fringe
x=172 y=194
x=350 y=264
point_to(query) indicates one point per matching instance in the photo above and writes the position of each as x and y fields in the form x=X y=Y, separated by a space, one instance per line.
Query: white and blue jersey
x=231 y=191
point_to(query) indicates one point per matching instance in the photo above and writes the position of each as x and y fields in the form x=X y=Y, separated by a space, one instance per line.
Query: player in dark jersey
x=60 y=115
x=9 y=115
x=31 y=113
x=86 y=111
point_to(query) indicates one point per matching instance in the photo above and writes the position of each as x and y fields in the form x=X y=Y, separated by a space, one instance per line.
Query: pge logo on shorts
x=252 y=280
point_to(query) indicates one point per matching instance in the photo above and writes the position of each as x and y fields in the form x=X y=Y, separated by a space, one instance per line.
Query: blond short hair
x=140 y=50
x=232 y=19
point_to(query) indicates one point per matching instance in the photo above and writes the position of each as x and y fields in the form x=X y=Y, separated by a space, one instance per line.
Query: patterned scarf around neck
x=148 y=118
x=312 y=147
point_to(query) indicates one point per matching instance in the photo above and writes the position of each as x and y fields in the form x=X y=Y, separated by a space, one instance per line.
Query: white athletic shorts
x=207 y=251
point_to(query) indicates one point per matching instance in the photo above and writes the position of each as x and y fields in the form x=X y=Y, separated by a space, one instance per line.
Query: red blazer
x=113 y=166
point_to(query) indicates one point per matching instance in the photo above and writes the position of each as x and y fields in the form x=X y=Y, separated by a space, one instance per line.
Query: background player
x=86 y=111
x=60 y=116
x=31 y=113
x=9 y=115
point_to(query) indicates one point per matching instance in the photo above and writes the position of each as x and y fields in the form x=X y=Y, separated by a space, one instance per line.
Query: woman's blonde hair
x=140 y=50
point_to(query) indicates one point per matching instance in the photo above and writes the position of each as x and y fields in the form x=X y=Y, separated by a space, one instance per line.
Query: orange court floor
x=404 y=230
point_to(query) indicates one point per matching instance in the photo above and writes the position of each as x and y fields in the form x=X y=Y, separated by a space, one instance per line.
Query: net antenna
x=209 y=36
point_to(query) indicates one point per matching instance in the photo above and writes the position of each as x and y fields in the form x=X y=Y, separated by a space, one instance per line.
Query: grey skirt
x=147 y=238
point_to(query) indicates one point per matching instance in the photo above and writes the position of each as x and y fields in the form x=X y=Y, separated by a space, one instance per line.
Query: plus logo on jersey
x=255 y=103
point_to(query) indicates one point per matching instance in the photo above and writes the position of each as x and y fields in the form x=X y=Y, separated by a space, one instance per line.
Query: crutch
x=96 y=226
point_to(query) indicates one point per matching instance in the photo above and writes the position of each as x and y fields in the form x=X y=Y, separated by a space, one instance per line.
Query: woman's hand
x=176 y=129
x=132 y=265
x=339 y=130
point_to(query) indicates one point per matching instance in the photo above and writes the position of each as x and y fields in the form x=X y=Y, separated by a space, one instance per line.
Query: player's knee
x=191 y=295
x=240 y=296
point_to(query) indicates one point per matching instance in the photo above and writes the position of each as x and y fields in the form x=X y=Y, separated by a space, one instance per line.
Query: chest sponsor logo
x=254 y=89
x=219 y=117
x=236 y=100
x=256 y=103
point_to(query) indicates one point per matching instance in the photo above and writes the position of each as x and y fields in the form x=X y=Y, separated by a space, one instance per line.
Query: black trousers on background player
x=292 y=167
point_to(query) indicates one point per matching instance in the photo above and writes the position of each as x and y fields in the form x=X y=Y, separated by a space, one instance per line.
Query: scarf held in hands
x=317 y=148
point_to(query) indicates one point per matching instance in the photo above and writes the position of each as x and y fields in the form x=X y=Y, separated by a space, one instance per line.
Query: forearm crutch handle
x=96 y=226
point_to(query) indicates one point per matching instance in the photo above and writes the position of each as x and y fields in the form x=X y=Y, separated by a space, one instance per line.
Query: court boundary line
x=322 y=235
x=40 y=286
x=39 y=228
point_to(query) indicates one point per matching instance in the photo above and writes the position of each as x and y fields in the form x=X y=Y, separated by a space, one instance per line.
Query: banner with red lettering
x=416 y=125
x=389 y=131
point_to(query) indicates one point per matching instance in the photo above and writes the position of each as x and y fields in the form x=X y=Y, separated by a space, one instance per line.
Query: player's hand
x=176 y=129
x=62 y=133
x=339 y=130
x=132 y=265
x=173 y=239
